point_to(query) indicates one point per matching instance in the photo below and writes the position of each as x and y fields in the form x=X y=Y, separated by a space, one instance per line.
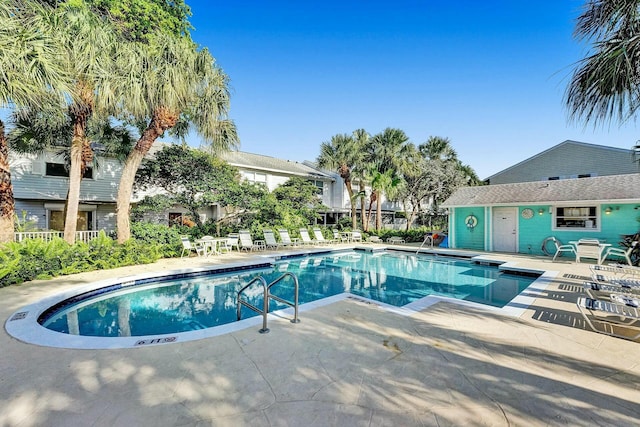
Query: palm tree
x=361 y=139
x=341 y=154
x=88 y=47
x=168 y=82
x=385 y=152
x=31 y=61
x=604 y=85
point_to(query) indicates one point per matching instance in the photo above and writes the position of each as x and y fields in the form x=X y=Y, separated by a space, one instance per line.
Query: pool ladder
x=267 y=296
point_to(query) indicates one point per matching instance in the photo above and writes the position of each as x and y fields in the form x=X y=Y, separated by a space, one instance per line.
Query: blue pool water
x=188 y=304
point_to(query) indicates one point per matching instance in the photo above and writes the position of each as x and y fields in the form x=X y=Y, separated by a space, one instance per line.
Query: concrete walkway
x=346 y=364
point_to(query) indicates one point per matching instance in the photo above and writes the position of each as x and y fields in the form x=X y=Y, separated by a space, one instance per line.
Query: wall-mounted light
x=608 y=210
x=541 y=211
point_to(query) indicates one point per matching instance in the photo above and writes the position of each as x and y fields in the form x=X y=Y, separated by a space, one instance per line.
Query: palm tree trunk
x=365 y=225
x=354 y=222
x=162 y=120
x=80 y=156
x=7 y=202
x=378 y=212
x=372 y=200
x=75 y=178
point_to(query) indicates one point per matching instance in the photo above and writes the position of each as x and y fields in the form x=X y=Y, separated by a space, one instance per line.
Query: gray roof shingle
x=611 y=188
x=272 y=164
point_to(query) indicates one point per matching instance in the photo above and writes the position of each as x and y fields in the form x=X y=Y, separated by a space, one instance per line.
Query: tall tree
x=187 y=177
x=605 y=84
x=89 y=47
x=449 y=172
x=169 y=82
x=341 y=154
x=361 y=139
x=386 y=150
x=31 y=61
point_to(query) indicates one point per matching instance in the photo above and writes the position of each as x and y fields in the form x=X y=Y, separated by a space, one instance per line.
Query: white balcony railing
x=81 y=236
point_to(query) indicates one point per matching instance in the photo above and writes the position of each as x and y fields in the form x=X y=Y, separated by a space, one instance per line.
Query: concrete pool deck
x=348 y=363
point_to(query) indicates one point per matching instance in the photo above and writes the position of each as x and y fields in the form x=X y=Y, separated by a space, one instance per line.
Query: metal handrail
x=293 y=304
x=267 y=296
x=250 y=306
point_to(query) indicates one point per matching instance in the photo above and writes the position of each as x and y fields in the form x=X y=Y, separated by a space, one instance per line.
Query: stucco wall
x=469 y=238
x=622 y=220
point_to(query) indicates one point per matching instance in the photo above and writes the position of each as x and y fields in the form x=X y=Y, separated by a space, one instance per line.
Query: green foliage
x=139 y=20
x=190 y=178
x=23 y=223
x=39 y=259
x=166 y=238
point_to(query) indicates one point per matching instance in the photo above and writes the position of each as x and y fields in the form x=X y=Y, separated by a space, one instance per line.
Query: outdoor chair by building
x=589 y=248
x=603 y=291
x=285 y=238
x=560 y=249
x=395 y=240
x=188 y=246
x=320 y=237
x=619 y=317
x=270 y=239
x=339 y=238
x=622 y=253
x=233 y=241
x=306 y=239
x=246 y=243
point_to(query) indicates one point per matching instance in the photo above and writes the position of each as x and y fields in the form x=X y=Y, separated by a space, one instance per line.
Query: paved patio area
x=346 y=364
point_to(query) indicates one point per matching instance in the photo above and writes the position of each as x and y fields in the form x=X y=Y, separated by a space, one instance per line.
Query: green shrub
x=39 y=259
x=165 y=239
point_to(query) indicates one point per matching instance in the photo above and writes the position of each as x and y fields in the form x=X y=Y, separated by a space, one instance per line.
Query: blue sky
x=490 y=76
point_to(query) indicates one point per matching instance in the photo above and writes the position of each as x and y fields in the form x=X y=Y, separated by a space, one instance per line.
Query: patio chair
x=617 y=275
x=306 y=239
x=187 y=247
x=233 y=241
x=589 y=248
x=320 y=237
x=340 y=238
x=246 y=243
x=603 y=291
x=395 y=240
x=285 y=238
x=560 y=248
x=623 y=253
x=356 y=236
x=270 y=239
x=617 y=316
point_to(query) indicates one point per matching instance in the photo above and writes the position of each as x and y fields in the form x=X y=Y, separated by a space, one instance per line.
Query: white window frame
x=577 y=213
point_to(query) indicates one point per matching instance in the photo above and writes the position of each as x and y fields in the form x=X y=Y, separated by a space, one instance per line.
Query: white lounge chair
x=623 y=253
x=246 y=243
x=320 y=237
x=285 y=238
x=187 y=247
x=617 y=275
x=603 y=291
x=395 y=240
x=270 y=239
x=306 y=239
x=618 y=316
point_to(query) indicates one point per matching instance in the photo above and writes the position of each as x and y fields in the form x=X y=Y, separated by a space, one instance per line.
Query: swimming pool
x=186 y=304
x=193 y=302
